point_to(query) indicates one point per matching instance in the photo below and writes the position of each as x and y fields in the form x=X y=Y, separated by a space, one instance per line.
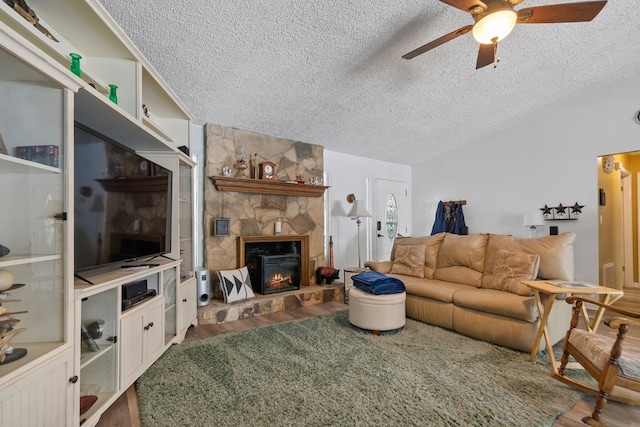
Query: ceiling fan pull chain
x=495 y=53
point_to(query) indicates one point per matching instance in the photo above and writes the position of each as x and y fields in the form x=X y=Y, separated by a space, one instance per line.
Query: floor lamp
x=359 y=211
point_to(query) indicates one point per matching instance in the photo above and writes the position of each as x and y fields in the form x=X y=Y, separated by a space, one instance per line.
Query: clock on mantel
x=261 y=186
x=268 y=170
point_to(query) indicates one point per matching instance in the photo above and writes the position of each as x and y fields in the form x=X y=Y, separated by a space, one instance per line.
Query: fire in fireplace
x=278 y=273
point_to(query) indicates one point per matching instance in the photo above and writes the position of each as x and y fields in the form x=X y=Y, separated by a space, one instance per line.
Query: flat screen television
x=122 y=203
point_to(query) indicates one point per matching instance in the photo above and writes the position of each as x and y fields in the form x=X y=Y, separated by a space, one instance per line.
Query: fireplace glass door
x=278 y=273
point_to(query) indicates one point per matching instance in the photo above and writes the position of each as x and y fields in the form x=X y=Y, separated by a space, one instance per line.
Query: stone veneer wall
x=256 y=214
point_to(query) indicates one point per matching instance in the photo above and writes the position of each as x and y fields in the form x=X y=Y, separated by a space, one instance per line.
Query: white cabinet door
x=188 y=303
x=141 y=340
x=132 y=335
x=155 y=332
x=42 y=398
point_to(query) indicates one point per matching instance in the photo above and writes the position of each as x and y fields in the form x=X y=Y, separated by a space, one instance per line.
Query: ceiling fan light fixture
x=495 y=26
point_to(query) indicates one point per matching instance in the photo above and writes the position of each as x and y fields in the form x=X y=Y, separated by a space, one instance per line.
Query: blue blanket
x=377 y=283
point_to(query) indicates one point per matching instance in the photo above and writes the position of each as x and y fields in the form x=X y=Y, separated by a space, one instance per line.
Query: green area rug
x=321 y=371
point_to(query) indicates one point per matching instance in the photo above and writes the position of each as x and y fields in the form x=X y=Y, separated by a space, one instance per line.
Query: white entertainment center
x=41 y=102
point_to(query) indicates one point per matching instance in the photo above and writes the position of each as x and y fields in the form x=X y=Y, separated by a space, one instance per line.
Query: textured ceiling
x=331 y=73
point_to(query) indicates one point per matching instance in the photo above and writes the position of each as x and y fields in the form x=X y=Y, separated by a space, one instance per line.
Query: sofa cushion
x=432 y=289
x=513 y=267
x=461 y=259
x=556 y=255
x=409 y=260
x=497 y=302
x=431 y=248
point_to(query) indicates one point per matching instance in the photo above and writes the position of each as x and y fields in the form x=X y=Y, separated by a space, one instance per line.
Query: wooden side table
x=348 y=283
x=541 y=287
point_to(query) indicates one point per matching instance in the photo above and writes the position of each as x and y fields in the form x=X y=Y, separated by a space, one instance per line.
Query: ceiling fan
x=494 y=20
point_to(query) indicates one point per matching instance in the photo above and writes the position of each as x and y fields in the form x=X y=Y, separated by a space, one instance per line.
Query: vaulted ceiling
x=331 y=72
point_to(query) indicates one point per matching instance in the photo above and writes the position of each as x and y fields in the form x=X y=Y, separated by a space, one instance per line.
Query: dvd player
x=130 y=302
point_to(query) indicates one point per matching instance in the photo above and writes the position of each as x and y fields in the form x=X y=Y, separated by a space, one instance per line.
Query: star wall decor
x=561 y=212
x=576 y=209
x=546 y=211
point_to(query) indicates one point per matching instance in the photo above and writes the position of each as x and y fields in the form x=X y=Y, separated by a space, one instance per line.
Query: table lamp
x=533 y=220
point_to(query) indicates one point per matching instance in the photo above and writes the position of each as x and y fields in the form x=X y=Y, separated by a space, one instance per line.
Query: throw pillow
x=513 y=267
x=235 y=284
x=409 y=261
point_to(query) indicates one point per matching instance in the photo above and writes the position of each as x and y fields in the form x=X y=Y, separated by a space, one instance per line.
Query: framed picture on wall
x=221 y=227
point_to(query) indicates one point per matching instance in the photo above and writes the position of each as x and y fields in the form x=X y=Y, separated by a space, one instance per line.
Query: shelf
x=156 y=128
x=10 y=164
x=98 y=113
x=97 y=408
x=87 y=356
x=259 y=186
x=9 y=260
x=34 y=352
x=135 y=185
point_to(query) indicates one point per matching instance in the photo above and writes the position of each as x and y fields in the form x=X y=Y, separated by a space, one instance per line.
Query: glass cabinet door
x=186 y=221
x=169 y=290
x=33 y=228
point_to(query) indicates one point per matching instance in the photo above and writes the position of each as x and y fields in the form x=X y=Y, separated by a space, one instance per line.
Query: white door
x=390 y=215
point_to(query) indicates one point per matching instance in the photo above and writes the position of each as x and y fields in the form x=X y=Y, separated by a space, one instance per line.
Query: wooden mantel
x=260 y=186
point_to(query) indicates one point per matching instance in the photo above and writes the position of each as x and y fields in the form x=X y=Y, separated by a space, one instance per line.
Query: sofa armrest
x=379 y=266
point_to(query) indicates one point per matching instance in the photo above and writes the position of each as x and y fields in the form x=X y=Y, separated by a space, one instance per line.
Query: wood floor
x=124 y=412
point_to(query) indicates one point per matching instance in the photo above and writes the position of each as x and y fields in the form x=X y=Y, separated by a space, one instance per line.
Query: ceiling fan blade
x=437 y=42
x=467 y=5
x=567 y=12
x=486 y=55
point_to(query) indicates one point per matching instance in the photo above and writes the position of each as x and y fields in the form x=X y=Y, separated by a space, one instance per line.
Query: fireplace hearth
x=277 y=273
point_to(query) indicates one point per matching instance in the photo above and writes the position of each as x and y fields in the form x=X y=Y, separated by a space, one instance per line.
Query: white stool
x=376 y=312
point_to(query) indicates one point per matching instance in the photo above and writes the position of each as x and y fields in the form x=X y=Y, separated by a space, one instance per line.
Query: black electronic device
x=122 y=214
x=130 y=302
x=134 y=293
x=134 y=289
x=553 y=230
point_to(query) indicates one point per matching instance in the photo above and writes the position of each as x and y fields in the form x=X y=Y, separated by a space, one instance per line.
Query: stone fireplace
x=254 y=215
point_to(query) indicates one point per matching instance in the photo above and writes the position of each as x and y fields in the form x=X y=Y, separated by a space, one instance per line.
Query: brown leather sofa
x=471 y=284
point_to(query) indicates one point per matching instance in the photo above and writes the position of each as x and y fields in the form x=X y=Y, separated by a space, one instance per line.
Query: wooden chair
x=603 y=358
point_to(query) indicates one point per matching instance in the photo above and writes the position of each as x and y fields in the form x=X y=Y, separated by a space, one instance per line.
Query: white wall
x=347 y=174
x=549 y=158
